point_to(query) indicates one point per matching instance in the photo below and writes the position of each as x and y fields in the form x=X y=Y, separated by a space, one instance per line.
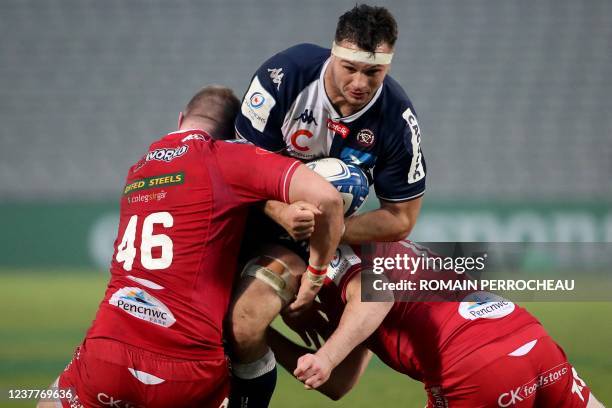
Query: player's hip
x=104 y=371
x=535 y=373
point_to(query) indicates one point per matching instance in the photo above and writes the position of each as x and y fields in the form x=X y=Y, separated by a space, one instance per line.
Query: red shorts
x=534 y=374
x=107 y=373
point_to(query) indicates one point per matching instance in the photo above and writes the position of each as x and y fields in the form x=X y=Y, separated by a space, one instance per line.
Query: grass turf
x=45 y=315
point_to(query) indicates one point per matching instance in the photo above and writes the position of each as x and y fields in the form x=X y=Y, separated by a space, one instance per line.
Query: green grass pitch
x=45 y=315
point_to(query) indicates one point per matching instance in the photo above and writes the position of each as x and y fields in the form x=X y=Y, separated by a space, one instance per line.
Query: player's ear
x=180 y=119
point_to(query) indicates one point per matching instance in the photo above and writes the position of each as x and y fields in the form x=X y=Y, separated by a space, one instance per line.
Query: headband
x=366 y=57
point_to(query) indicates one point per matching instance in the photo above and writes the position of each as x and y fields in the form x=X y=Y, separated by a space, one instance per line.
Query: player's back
x=181 y=223
x=425 y=338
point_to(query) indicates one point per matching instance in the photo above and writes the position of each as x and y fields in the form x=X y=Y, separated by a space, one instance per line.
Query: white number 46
x=126 y=251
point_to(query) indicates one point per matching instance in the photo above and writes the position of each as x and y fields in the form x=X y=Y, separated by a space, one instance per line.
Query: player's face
x=357 y=82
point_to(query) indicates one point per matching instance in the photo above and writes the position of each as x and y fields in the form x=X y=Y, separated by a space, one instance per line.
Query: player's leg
x=268 y=284
x=65 y=386
x=50 y=402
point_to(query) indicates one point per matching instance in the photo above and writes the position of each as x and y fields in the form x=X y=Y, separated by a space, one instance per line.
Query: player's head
x=212 y=109
x=362 y=52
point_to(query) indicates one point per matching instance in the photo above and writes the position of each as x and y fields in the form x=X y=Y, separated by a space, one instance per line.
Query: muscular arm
x=391 y=222
x=308 y=186
x=359 y=320
x=343 y=378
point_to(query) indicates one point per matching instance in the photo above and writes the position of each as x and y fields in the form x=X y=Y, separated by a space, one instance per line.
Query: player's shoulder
x=306 y=53
x=303 y=57
x=295 y=67
x=395 y=101
x=400 y=115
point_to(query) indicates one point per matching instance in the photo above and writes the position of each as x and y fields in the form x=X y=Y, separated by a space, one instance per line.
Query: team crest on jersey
x=365 y=137
x=138 y=303
x=166 y=155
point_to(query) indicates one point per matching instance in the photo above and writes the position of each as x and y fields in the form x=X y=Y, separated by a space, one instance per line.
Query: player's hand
x=309 y=325
x=298 y=219
x=305 y=296
x=313 y=370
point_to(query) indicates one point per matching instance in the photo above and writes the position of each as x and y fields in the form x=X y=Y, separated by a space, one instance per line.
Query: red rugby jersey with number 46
x=183 y=210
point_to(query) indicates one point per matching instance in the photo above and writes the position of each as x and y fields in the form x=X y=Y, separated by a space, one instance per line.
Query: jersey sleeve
x=399 y=174
x=255 y=174
x=343 y=268
x=263 y=106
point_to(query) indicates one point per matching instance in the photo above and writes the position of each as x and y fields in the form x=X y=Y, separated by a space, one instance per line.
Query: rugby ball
x=348 y=179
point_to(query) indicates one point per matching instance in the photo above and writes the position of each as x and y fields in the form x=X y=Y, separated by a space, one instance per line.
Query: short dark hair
x=219 y=106
x=367 y=27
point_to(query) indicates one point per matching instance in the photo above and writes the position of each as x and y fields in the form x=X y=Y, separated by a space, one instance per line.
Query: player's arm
x=269 y=176
x=359 y=320
x=391 y=222
x=343 y=378
x=306 y=185
x=399 y=181
x=298 y=218
x=264 y=105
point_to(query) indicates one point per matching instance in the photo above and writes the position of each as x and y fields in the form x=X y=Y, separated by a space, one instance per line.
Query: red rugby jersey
x=183 y=210
x=424 y=339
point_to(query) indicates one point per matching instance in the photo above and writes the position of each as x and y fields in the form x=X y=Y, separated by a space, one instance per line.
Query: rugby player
x=310 y=102
x=157 y=337
x=488 y=353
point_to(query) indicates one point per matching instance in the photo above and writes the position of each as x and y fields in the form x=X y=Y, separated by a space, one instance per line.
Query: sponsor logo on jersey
x=344 y=259
x=299 y=140
x=416 y=172
x=145 y=198
x=110 y=401
x=529 y=389
x=365 y=137
x=154 y=182
x=257 y=104
x=357 y=157
x=276 y=75
x=483 y=305
x=167 y=155
x=338 y=127
x=307 y=117
x=138 y=303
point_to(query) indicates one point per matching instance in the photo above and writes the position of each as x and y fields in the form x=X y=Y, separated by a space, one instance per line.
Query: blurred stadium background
x=513 y=100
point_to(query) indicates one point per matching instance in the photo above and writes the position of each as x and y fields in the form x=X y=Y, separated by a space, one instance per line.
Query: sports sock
x=253 y=383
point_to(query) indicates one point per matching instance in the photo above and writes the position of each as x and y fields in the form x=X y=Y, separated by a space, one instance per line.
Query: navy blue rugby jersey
x=286 y=109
